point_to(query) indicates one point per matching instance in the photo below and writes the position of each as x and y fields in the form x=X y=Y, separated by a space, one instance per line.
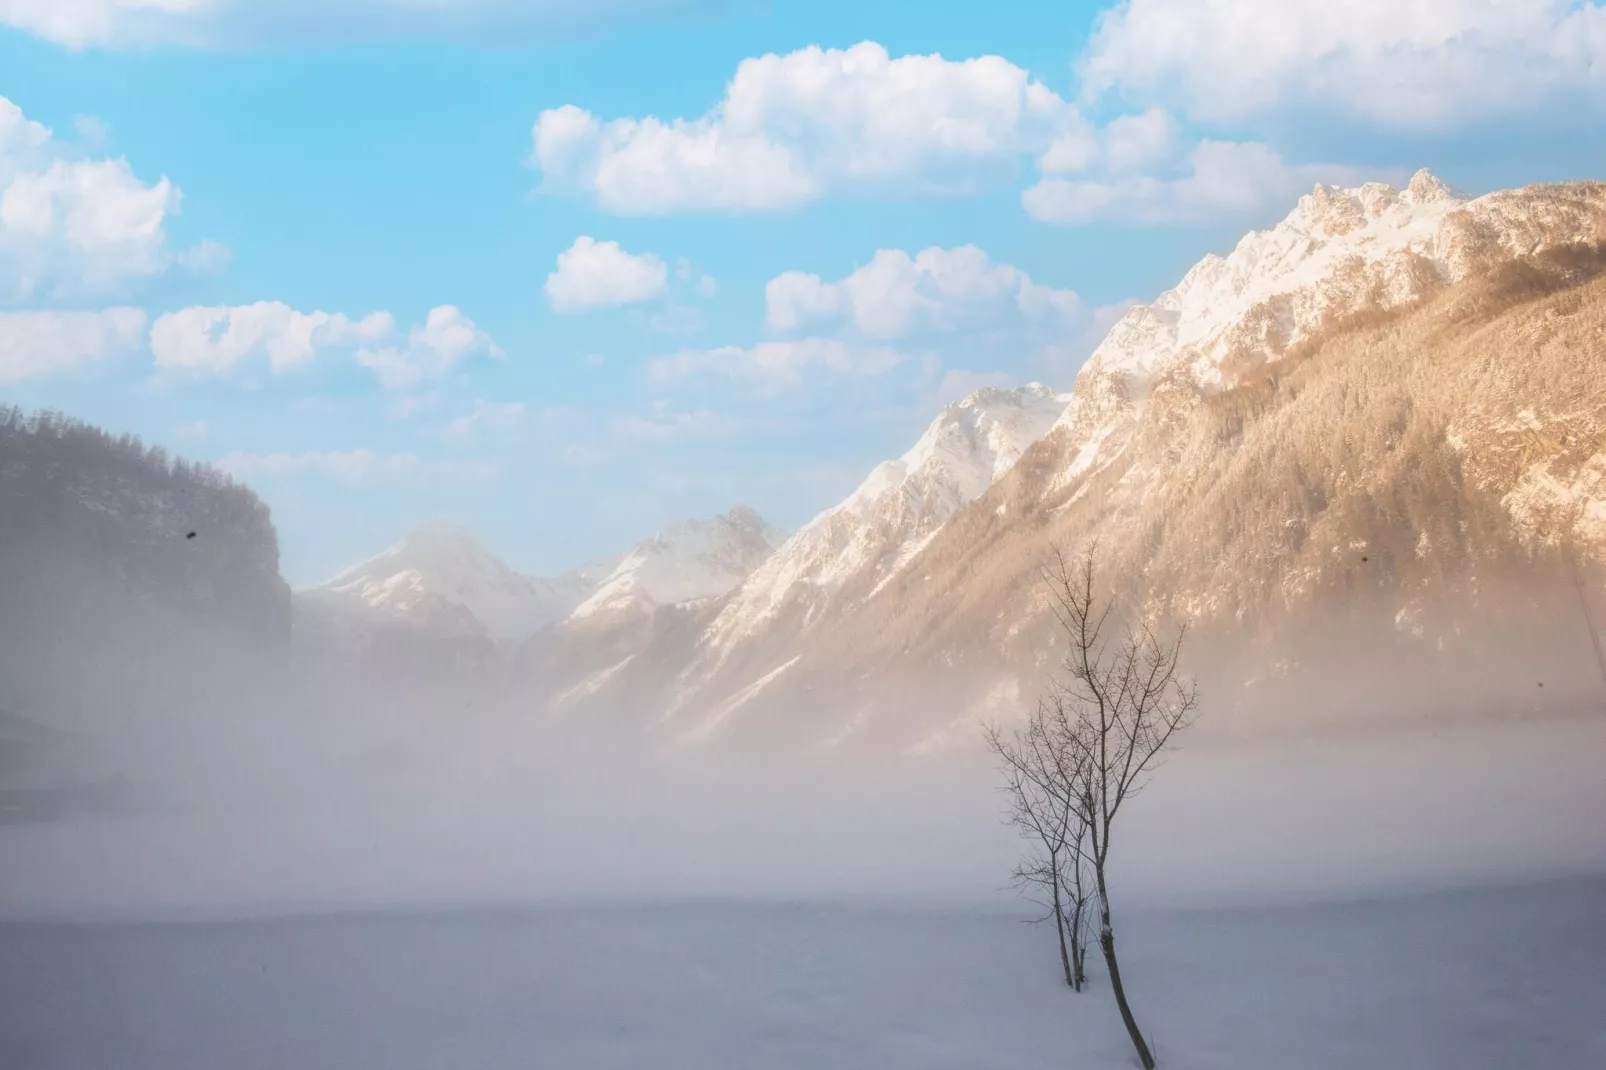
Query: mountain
x=1361 y=455
x=869 y=537
x=654 y=593
x=439 y=598
x=840 y=558
x=688 y=562
x=440 y=579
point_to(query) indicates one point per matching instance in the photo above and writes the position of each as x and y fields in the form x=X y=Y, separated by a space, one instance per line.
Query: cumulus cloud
x=896 y=294
x=72 y=227
x=776 y=365
x=1127 y=144
x=217 y=340
x=789 y=128
x=237 y=23
x=592 y=274
x=214 y=340
x=1217 y=179
x=34 y=345
x=446 y=339
x=358 y=469
x=1425 y=62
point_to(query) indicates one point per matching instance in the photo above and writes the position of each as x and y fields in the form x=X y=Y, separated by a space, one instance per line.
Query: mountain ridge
x=1168 y=419
x=439 y=579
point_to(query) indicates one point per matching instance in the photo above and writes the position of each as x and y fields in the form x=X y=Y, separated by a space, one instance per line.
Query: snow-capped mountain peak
x=1339 y=253
x=1338 y=249
x=969 y=445
x=442 y=579
x=440 y=572
x=688 y=562
x=865 y=541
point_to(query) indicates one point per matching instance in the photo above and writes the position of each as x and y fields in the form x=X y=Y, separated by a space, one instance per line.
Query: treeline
x=85 y=515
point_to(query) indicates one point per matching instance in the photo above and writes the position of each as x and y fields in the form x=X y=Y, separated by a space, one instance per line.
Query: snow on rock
x=1337 y=248
x=871 y=535
x=1339 y=252
x=440 y=577
x=688 y=562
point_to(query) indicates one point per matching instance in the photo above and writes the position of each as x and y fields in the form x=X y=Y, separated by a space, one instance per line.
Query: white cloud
x=20 y=135
x=592 y=274
x=358 y=468
x=194 y=431
x=446 y=338
x=77 y=23
x=776 y=365
x=896 y=294
x=242 y=23
x=485 y=419
x=791 y=127
x=73 y=227
x=212 y=341
x=34 y=345
x=1423 y=62
x=1219 y=179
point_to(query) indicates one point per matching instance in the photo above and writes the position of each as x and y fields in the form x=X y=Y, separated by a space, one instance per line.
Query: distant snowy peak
x=688 y=562
x=441 y=577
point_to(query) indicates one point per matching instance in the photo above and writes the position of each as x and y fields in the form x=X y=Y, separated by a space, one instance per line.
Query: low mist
x=247 y=785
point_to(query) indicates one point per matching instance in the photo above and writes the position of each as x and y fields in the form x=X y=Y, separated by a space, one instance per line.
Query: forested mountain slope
x=115 y=558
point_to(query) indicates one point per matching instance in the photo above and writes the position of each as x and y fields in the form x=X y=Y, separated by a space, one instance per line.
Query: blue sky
x=390 y=261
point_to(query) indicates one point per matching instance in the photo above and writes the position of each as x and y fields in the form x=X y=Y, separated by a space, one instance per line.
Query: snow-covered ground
x=452 y=901
x=1497 y=979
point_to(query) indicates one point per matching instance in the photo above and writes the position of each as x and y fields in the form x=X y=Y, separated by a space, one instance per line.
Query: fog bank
x=321 y=808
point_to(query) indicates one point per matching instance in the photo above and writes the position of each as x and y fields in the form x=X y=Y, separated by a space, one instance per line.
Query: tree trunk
x=1107 y=945
x=1059 y=927
x=1078 y=948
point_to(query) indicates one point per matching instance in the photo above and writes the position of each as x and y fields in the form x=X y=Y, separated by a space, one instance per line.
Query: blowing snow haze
x=626 y=538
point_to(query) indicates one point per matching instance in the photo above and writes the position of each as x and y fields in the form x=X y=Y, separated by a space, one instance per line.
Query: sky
x=568 y=271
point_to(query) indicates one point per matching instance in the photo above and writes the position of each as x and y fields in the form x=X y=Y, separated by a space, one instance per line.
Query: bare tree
x=1041 y=808
x=1106 y=721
